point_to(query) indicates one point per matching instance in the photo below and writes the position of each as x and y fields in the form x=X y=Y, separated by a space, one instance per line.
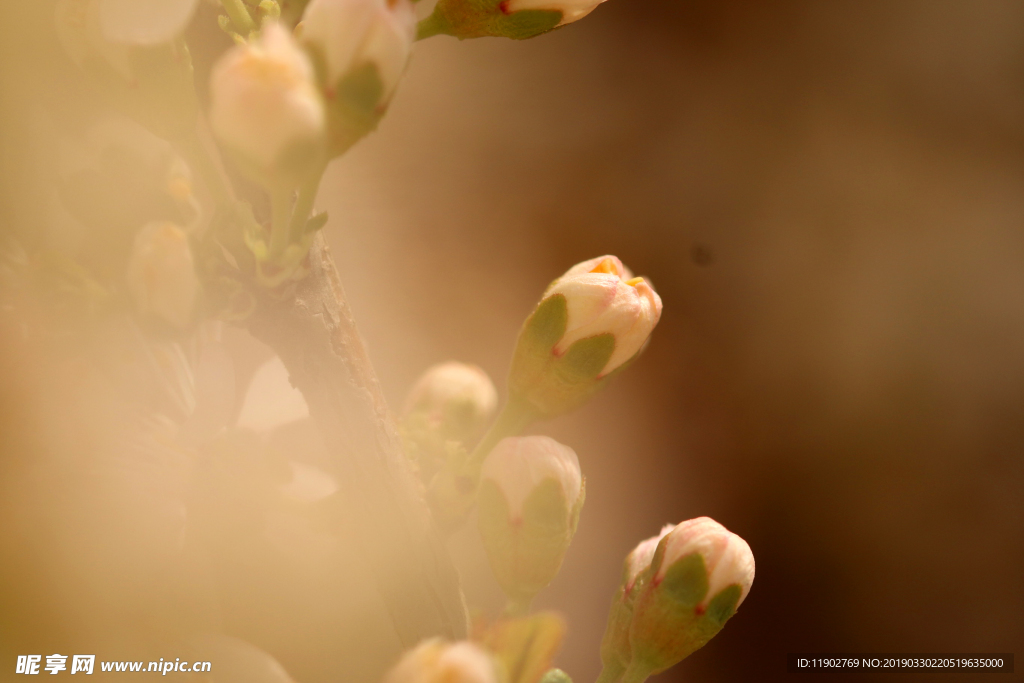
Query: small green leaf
x=316 y=222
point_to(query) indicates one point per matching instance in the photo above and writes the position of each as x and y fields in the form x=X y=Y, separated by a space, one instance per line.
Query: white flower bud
x=531 y=493
x=519 y=464
x=435 y=661
x=588 y=324
x=454 y=391
x=350 y=34
x=603 y=297
x=265 y=107
x=727 y=557
x=699 y=575
x=161 y=275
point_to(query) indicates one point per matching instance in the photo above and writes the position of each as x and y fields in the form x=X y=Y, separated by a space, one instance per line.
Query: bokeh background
x=829 y=198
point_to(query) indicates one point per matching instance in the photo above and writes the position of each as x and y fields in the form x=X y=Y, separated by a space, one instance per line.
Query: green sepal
x=482 y=18
x=550 y=383
x=526 y=553
x=686 y=581
x=723 y=606
x=355 y=103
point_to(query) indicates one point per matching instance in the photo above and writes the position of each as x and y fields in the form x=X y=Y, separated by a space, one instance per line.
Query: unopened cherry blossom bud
x=361 y=48
x=589 y=324
x=454 y=399
x=615 y=650
x=699 y=575
x=161 y=274
x=436 y=661
x=516 y=19
x=266 y=110
x=531 y=493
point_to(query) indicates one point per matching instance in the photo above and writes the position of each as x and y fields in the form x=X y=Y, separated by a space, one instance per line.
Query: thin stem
x=518 y=607
x=304 y=204
x=280 y=212
x=635 y=674
x=516 y=416
x=611 y=673
x=240 y=16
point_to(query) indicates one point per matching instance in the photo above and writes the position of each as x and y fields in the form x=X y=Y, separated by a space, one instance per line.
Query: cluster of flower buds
x=678 y=590
x=285 y=106
x=530 y=497
x=437 y=661
x=589 y=324
x=518 y=19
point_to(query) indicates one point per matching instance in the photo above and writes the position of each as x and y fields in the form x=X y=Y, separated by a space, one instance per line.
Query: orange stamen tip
x=605 y=266
x=634 y=282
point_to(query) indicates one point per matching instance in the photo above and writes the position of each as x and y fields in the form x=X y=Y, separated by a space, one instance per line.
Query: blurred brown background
x=829 y=198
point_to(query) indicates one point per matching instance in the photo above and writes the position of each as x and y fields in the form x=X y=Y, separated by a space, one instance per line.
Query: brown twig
x=316 y=337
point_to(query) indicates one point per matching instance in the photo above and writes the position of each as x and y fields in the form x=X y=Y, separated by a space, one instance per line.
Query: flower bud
x=265 y=108
x=699 y=575
x=530 y=497
x=361 y=48
x=161 y=275
x=615 y=650
x=453 y=399
x=516 y=19
x=589 y=323
x=435 y=661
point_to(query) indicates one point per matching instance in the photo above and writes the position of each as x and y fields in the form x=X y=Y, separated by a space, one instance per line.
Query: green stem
x=280 y=212
x=635 y=674
x=611 y=673
x=304 y=204
x=516 y=416
x=240 y=16
x=433 y=25
x=518 y=607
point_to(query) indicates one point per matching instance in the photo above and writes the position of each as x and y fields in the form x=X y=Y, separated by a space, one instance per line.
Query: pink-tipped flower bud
x=266 y=110
x=436 y=661
x=698 y=576
x=361 y=48
x=531 y=493
x=589 y=324
x=454 y=399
